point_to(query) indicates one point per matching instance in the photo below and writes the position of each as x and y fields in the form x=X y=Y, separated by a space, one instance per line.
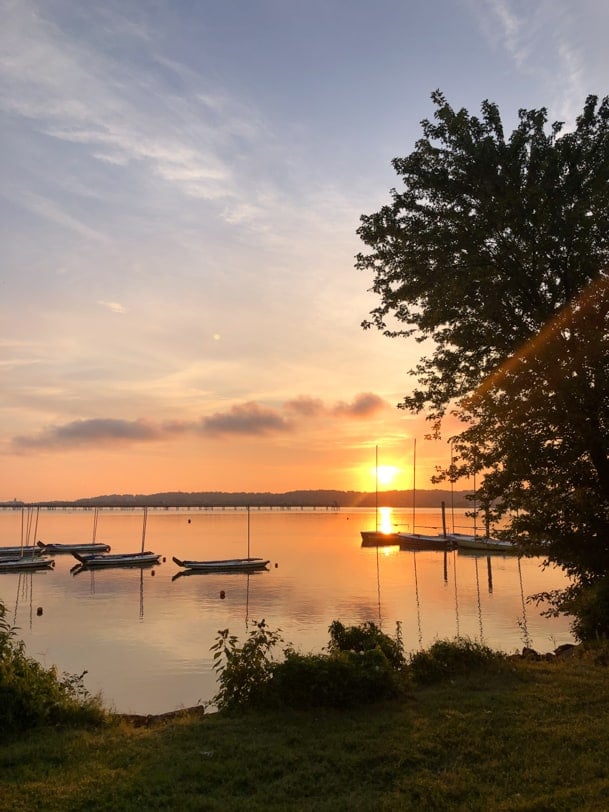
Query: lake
x=143 y=635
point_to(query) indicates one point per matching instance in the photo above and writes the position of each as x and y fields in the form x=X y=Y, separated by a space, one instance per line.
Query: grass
x=533 y=737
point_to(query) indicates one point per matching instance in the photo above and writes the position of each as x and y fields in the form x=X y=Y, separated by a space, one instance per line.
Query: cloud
x=242 y=419
x=88 y=432
x=50 y=210
x=247 y=418
x=306 y=406
x=363 y=405
x=115 y=307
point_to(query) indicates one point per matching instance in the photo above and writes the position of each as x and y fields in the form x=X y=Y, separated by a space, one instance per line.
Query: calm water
x=144 y=637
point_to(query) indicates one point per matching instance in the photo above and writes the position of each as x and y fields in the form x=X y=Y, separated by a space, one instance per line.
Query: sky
x=181 y=183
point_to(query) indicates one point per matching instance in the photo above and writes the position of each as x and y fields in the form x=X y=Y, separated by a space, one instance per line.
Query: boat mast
x=414 y=483
x=248 y=531
x=144 y=527
x=376 y=497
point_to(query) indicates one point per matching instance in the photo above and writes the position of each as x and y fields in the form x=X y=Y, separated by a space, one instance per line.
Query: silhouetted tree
x=496 y=250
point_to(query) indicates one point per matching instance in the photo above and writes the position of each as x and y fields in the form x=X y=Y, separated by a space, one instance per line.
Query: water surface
x=144 y=636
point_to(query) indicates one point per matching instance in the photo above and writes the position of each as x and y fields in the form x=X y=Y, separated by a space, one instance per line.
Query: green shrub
x=243 y=672
x=363 y=665
x=446 y=659
x=589 y=607
x=367 y=637
x=32 y=695
x=338 y=680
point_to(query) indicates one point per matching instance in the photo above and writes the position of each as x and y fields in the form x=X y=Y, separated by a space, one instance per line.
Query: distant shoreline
x=303 y=498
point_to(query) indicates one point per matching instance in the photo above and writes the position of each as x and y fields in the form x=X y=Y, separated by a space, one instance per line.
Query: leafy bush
x=32 y=695
x=243 y=672
x=445 y=659
x=589 y=606
x=363 y=665
x=367 y=637
x=341 y=679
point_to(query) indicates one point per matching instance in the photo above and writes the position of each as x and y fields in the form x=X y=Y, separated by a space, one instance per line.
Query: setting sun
x=386 y=474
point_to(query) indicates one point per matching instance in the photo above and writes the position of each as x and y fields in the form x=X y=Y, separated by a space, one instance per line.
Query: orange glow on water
x=385 y=520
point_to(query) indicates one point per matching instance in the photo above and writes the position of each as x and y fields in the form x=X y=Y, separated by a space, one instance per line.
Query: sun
x=386 y=474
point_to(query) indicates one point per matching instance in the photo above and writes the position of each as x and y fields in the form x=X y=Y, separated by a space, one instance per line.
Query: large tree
x=496 y=250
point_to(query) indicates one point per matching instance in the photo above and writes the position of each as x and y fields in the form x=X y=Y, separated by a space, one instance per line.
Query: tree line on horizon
x=429 y=498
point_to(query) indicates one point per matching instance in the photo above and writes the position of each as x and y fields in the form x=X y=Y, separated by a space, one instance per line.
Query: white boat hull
x=224 y=565
x=483 y=544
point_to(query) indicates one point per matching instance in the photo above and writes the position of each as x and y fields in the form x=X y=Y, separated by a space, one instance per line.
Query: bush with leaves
x=31 y=695
x=243 y=672
x=588 y=603
x=363 y=665
x=366 y=637
x=339 y=680
x=450 y=658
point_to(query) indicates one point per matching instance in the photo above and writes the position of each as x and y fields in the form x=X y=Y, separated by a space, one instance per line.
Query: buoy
x=39 y=611
x=222 y=594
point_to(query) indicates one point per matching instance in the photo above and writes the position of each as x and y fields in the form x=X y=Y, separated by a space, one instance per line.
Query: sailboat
x=421 y=541
x=25 y=556
x=224 y=565
x=472 y=542
x=376 y=537
x=89 y=547
x=136 y=559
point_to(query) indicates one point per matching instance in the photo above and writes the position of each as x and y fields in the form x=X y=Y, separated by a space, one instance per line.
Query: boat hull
x=420 y=541
x=224 y=565
x=91 y=548
x=22 y=564
x=376 y=538
x=481 y=544
x=19 y=551
x=119 y=560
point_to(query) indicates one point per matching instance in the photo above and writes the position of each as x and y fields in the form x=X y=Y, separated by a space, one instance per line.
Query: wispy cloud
x=52 y=211
x=115 y=307
x=73 y=89
x=544 y=41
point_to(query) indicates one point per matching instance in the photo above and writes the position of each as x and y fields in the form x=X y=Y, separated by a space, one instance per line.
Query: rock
x=565 y=650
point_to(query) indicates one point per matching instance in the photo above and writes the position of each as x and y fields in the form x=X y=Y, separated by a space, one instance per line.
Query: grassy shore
x=534 y=737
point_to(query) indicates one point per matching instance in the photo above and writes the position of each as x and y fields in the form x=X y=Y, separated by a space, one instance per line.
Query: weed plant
x=362 y=665
x=446 y=659
x=31 y=695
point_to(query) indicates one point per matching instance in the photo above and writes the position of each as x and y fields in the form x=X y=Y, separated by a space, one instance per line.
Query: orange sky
x=181 y=192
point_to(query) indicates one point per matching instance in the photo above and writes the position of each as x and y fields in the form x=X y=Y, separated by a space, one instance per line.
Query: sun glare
x=386 y=474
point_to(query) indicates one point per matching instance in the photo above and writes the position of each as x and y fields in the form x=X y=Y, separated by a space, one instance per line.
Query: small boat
x=224 y=565
x=377 y=538
x=420 y=541
x=19 y=551
x=21 y=564
x=484 y=544
x=117 y=560
x=91 y=547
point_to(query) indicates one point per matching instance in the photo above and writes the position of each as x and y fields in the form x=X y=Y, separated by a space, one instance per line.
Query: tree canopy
x=496 y=249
